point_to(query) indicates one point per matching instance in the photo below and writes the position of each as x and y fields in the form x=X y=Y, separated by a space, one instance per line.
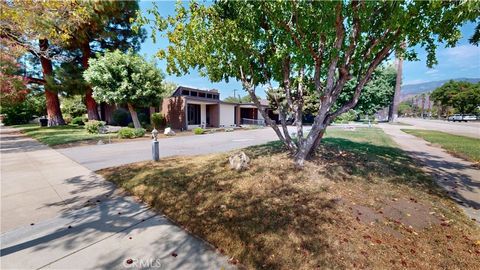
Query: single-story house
x=188 y=108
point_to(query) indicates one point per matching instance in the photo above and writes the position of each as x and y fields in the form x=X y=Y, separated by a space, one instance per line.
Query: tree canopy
x=67 y=32
x=125 y=78
x=292 y=43
x=464 y=97
x=239 y=99
x=13 y=88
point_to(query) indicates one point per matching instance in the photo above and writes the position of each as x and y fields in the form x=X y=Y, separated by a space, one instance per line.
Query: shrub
x=130 y=125
x=68 y=119
x=346 y=117
x=17 y=114
x=148 y=127
x=157 y=119
x=143 y=119
x=198 y=130
x=120 y=117
x=129 y=133
x=73 y=106
x=78 y=121
x=94 y=126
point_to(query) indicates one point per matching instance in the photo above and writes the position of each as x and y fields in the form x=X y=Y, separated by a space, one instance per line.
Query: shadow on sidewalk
x=93 y=219
x=448 y=175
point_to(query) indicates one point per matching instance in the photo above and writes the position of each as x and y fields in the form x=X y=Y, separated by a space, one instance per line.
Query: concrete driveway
x=470 y=129
x=58 y=214
x=96 y=157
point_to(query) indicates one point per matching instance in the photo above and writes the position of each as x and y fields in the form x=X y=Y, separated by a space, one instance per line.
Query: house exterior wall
x=227 y=115
x=203 y=114
x=175 y=113
x=237 y=116
x=260 y=116
x=214 y=111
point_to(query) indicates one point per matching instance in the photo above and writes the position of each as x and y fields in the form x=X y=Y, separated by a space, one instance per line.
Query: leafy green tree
x=83 y=27
x=73 y=106
x=128 y=78
x=405 y=108
x=169 y=88
x=377 y=93
x=29 y=26
x=464 y=97
x=293 y=43
x=467 y=100
x=104 y=25
x=475 y=38
x=67 y=78
x=239 y=99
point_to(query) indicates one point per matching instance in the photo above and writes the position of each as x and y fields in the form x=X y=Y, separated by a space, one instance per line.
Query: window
x=193 y=94
x=193 y=114
x=215 y=96
x=200 y=94
x=209 y=95
x=185 y=92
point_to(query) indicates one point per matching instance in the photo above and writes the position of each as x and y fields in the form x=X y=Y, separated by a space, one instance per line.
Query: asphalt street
x=470 y=129
x=96 y=157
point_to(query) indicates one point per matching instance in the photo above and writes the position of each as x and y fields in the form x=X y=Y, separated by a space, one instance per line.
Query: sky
x=462 y=61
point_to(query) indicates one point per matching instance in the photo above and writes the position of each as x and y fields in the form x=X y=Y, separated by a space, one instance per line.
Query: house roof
x=179 y=90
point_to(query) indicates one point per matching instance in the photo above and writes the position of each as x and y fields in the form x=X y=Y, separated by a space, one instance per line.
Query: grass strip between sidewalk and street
x=461 y=146
x=361 y=202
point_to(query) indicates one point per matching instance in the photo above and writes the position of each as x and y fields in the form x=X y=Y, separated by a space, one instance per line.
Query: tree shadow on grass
x=244 y=221
x=406 y=169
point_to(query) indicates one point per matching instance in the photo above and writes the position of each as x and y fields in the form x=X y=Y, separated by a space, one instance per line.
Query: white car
x=469 y=118
x=461 y=117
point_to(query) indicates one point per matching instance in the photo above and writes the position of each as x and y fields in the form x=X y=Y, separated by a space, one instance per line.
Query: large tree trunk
x=92 y=109
x=134 y=115
x=310 y=145
x=393 y=112
x=54 y=113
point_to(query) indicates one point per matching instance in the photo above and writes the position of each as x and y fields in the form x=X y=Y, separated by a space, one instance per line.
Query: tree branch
x=251 y=91
x=340 y=31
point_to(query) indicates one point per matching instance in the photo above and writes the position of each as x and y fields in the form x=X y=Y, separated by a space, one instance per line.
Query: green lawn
x=367 y=135
x=60 y=134
x=465 y=147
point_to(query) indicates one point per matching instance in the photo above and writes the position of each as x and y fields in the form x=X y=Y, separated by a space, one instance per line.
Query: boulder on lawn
x=239 y=161
x=169 y=132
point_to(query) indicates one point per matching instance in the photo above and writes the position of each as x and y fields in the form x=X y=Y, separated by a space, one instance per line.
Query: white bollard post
x=155 y=146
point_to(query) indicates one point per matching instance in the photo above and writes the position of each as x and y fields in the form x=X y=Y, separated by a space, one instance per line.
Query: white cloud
x=463 y=55
x=431 y=71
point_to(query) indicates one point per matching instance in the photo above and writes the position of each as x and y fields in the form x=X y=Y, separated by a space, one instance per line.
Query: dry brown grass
x=355 y=206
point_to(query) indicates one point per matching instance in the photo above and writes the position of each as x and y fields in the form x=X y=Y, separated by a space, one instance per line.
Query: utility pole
x=235 y=95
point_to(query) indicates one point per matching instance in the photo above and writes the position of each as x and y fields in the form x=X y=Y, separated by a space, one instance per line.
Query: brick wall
x=174 y=110
x=214 y=112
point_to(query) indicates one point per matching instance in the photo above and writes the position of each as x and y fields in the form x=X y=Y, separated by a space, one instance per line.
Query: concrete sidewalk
x=58 y=214
x=459 y=177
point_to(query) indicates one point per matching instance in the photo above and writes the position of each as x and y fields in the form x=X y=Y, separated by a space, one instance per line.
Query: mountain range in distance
x=419 y=88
